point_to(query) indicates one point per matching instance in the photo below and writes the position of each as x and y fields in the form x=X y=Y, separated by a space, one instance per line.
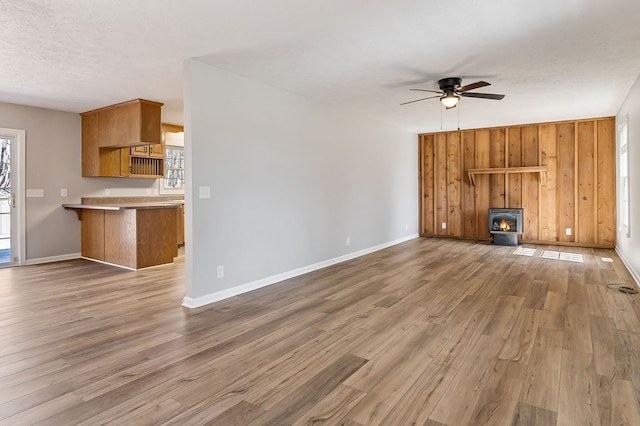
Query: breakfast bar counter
x=130 y=234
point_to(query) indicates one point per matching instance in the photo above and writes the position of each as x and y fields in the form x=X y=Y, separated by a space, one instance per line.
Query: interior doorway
x=11 y=212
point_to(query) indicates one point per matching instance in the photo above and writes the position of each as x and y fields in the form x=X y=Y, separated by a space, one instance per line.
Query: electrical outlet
x=406 y=226
x=107 y=192
x=444 y=225
x=149 y=192
x=220 y=271
x=348 y=242
x=205 y=192
x=63 y=192
x=567 y=231
x=35 y=193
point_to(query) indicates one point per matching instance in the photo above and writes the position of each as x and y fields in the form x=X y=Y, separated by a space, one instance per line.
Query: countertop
x=124 y=206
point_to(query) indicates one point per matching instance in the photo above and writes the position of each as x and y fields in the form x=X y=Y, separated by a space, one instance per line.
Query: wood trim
x=542 y=170
x=595 y=181
x=506 y=165
x=540 y=151
x=132 y=101
x=421 y=162
x=78 y=211
x=171 y=128
x=576 y=175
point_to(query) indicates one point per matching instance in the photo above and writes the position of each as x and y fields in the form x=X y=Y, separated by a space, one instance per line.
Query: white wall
x=629 y=247
x=290 y=180
x=54 y=161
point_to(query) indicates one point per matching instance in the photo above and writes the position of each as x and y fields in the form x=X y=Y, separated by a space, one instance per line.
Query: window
x=174 y=167
x=5 y=168
x=623 y=135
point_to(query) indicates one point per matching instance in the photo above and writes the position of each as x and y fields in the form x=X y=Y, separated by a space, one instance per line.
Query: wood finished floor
x=429 y=332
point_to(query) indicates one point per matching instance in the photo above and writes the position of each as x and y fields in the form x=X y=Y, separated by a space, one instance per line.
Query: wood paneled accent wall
x=579 y=192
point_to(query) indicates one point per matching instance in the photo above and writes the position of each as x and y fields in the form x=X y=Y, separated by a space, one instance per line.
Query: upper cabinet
x=128 y=124
x=116 y=139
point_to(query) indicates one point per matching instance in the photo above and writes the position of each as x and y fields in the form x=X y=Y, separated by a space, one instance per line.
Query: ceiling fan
x=450 y=92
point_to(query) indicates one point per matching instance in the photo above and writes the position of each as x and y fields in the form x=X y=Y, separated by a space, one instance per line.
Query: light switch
x=35 y=193
x=205 y=192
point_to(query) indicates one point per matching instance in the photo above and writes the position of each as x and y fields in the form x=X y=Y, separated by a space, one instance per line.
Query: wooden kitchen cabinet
x=110 y=134
x=128 y=124
x=157 y=150
x=131 y=235
x=139 y=150
x=153 y=151
x=96 y=161
x=143 y=161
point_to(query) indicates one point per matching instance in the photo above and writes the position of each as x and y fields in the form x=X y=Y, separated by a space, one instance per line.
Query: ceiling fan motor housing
x=449 y=84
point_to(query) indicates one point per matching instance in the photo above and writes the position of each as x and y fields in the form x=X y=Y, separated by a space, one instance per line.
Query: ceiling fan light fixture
x=449 y=100
x=451 y=91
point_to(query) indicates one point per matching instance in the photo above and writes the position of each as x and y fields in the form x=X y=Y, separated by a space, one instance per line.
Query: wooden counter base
x=133 y=238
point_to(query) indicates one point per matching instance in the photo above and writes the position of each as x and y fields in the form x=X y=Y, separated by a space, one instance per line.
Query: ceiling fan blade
x=427 y=90
x=472 y=86
x=482 y=95
x=418 y=100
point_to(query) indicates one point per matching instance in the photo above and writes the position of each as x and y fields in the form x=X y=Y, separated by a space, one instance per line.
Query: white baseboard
x=627 y=264
x=197 y=302
x=50 y=259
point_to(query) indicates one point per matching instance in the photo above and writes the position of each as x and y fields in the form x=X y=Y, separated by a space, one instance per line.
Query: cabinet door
x=157 y=150
x=154 y=151
x=141 y=151
x=119 y=125
x=90 y=150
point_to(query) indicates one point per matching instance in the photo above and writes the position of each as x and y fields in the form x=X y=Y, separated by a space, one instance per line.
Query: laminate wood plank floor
x=428 y=332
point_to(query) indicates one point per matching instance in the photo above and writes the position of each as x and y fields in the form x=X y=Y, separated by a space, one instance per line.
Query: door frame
x=18 y=241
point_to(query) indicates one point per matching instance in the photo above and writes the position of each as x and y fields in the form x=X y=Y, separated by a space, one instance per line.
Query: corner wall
x=290 y=179
x=629 y=247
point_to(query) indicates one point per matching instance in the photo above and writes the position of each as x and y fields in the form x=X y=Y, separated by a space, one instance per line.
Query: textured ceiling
x=554 y=60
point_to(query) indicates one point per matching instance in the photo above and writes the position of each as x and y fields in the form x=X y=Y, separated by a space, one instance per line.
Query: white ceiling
x=554 y=60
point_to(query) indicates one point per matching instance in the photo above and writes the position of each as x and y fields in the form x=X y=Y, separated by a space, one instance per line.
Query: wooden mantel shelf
x=542 y=170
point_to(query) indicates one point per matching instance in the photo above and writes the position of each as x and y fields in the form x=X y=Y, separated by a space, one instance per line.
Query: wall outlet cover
x=444 y=225
x=35 y=193
x=205 y=192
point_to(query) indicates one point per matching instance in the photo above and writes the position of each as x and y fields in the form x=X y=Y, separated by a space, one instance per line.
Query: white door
x=11 y=217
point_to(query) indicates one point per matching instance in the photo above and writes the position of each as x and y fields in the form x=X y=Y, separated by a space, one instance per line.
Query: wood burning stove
x=505 y=225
